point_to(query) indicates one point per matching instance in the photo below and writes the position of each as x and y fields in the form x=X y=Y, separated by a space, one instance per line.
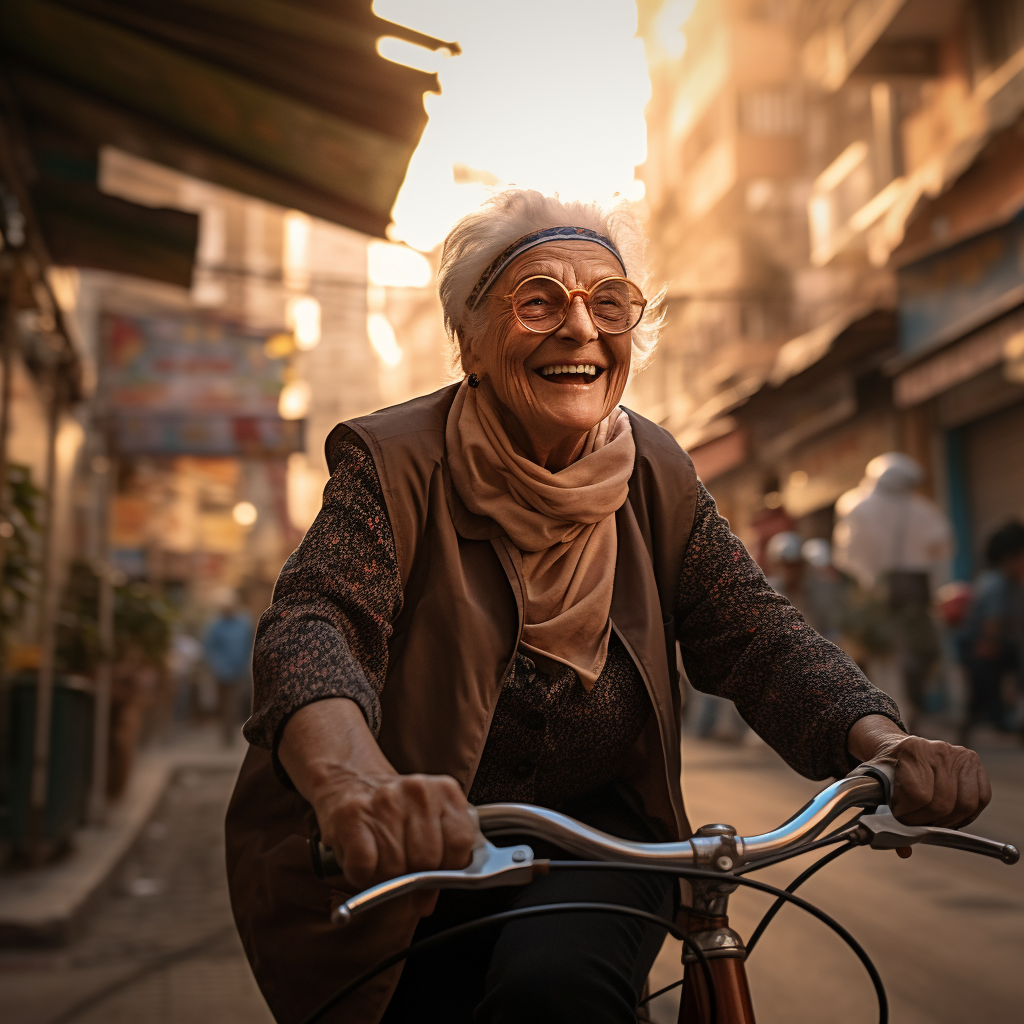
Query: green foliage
x=21 y=548
x=141 y=620
x=78 y=637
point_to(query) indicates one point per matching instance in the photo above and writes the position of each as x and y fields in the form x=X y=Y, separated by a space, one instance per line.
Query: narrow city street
x=945 y=929
x=323 y=366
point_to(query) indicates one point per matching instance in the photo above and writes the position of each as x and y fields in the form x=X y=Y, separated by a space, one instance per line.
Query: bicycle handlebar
x=698 y=851
x=714 y=847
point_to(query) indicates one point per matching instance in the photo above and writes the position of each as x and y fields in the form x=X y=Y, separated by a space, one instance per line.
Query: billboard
x=192 y=385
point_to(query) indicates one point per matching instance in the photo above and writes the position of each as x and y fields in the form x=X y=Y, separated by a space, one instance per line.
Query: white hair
x=479 y=236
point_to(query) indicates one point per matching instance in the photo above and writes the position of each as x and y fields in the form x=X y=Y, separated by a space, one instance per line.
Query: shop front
x=972 y=394
x=960 y=369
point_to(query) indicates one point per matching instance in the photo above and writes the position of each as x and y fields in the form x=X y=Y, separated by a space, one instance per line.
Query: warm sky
x=547 y=94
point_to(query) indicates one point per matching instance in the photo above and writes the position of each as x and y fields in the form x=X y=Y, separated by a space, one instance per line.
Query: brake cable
x=777 y=905
x=513 y=915
x=549 y=908
x=791 y=888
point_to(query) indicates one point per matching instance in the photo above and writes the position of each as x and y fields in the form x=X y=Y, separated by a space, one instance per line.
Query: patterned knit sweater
x=551 y=741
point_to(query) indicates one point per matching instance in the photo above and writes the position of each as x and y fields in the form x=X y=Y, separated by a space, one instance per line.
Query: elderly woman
x=486 y=609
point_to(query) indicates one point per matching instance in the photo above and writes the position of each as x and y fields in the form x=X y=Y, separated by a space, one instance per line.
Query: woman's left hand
x=936 y=782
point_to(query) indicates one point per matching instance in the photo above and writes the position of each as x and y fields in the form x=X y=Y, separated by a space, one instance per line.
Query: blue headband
x=530 y=241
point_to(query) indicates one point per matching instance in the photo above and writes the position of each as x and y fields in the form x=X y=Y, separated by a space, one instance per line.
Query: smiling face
x=550 y=389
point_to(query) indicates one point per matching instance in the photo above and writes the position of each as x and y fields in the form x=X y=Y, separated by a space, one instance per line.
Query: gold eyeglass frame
x=585 y=293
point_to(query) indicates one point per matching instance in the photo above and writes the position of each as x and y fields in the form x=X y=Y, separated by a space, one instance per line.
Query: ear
x=467 y=352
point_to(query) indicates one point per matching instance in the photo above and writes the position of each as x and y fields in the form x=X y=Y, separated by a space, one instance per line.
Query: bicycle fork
x=723 y=948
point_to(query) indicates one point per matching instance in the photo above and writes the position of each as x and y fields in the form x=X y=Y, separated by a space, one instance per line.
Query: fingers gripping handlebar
x=715 y=847
x=882 y=831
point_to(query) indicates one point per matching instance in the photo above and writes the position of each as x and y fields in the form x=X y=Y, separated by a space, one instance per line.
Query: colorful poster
x=192 y=385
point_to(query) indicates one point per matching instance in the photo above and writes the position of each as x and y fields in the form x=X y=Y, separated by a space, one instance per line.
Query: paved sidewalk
x=161 y=948
x=50 y=905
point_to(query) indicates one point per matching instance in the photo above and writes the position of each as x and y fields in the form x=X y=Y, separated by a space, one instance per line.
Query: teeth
x=590 y=368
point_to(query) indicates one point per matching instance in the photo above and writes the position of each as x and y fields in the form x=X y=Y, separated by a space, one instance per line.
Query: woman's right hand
x=379 y=828
x=378 y=824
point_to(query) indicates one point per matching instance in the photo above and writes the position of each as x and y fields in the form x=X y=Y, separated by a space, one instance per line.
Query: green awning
x=285 y=100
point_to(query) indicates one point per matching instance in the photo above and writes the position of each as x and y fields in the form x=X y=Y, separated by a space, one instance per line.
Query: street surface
x=945 y=929
x=162 y=949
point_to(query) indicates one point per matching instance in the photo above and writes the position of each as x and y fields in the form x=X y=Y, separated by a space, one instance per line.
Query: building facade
x=833 y=187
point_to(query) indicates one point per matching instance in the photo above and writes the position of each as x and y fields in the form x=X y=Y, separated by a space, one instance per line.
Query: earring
x=473 y=380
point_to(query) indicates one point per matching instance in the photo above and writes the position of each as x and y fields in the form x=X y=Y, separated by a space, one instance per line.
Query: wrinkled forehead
x=576 y=263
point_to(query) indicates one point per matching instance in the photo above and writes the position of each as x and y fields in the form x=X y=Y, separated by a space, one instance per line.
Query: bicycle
x=715 y=860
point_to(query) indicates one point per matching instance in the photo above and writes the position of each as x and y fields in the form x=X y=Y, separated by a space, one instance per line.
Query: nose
x=578 y=325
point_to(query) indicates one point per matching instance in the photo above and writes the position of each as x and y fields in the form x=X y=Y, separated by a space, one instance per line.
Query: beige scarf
x=562 y=523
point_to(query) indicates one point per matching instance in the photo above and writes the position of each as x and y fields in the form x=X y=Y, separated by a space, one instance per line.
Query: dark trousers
x=552 y=969
x=986 y=700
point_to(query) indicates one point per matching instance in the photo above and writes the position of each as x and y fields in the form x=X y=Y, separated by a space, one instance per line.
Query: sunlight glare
x=396 y=266
x=245 y=513
x=400 y=51
x=558 y=108
x=383 y=340
x=302 y=315
x=668 y=26
x=294 y=400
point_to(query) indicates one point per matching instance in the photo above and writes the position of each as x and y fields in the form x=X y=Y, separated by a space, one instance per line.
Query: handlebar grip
x=884 y=773
x=322 y=857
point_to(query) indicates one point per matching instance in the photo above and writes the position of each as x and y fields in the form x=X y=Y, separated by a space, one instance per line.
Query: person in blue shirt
x=227 y=647
x=992 y=637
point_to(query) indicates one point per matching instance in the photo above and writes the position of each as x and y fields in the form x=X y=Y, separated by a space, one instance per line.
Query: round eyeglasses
x=541 y=304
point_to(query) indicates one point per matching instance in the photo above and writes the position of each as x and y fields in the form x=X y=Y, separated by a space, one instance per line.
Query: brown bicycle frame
x=728 y=975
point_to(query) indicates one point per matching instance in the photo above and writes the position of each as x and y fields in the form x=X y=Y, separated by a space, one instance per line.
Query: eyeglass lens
x=541 y=304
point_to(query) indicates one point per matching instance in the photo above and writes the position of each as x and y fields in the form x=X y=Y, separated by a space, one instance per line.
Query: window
x=778 y=111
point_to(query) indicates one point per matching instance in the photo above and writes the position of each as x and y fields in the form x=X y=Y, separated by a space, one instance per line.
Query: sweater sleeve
x=743 y=641
x=326 y=633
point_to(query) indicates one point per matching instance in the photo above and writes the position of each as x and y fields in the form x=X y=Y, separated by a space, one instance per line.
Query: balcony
x=862 y=183
x=883 y=38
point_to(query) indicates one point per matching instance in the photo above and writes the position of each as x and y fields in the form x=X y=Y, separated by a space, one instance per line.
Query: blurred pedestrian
x=786 y=566
x=802 y=571
x=894 y=541
x=183 y=661
x=826 y=590
x=992 y=636
x=228 y=649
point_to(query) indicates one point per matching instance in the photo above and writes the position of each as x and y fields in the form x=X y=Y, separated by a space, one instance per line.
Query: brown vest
x=453 y=641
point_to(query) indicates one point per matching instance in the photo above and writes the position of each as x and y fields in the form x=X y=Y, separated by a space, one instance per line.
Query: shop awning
x=284 y=100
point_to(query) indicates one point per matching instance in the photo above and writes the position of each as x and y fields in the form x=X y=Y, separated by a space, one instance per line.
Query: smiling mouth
x=570 y=373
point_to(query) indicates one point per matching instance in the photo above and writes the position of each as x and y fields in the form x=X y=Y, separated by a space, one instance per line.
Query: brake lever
x=490 y=867
x=883 y=832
